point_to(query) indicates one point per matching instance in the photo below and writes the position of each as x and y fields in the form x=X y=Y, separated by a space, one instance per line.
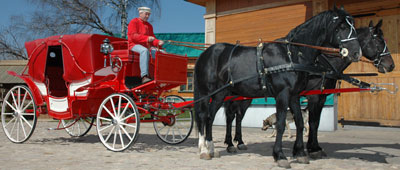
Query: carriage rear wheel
x=178 y=123
x=118 y=122
x=78 y=127
x=18 y=114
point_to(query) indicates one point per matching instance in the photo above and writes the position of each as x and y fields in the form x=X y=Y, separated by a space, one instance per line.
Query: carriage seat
x=55 y=82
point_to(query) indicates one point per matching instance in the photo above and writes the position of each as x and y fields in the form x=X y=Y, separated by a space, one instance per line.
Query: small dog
x=271 y=121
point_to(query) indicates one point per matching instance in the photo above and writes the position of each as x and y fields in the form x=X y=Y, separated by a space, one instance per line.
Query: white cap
x=144 y=9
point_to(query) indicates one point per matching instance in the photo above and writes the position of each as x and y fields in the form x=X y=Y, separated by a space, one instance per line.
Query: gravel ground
x=351 y=147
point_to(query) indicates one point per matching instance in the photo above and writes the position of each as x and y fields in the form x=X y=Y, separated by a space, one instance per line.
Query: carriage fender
x=34 y=89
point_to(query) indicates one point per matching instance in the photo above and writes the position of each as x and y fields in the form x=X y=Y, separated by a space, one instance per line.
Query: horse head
x=343 y=34
x=374 y=47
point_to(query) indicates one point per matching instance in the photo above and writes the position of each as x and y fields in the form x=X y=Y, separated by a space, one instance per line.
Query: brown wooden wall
x=381 y=108
x=268 y=24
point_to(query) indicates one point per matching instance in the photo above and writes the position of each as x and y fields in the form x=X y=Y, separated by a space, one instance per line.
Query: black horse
x=223 y=63
x=373 y=47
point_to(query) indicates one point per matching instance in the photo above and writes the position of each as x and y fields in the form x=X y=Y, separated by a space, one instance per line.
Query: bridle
x=378 y=58
x=349 y=37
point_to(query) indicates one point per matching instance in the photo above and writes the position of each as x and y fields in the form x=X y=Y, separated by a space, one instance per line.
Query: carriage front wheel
x=176 y=123
x=18 y=114
x=78 y=127
x=117 y=122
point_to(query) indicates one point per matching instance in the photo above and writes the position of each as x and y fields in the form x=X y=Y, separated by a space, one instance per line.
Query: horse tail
x=205 y=76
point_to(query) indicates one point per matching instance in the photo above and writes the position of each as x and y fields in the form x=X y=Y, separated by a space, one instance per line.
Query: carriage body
x=70 y=78
x=60 y=65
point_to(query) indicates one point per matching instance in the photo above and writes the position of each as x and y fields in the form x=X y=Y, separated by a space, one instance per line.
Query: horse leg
x=230 y=115
x=201 y=118
x=298 y=148
x=213 y=107
x=315 y=105
x=243 y=106
x=281 y=109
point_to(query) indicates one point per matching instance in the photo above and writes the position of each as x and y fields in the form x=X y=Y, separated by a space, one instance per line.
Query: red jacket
x=138 y=33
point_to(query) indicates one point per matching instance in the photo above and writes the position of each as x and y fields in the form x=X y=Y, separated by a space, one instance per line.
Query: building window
x=189 y=83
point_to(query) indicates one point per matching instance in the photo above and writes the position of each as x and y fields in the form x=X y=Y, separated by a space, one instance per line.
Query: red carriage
x=82 y=78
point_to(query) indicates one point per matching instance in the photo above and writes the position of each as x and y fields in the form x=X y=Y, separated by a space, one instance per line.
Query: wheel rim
x=78 y=127
x=117 y=122
x=18 y=114
x=180 y=123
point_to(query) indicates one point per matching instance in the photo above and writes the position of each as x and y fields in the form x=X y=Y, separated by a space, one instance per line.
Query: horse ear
x=371 y=24
x=379 y=25
x=335 y=7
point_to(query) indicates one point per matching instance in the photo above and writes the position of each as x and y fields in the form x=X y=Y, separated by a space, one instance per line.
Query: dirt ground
x=351 y=147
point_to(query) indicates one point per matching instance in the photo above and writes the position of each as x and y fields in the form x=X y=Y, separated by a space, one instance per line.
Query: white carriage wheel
x=18 y=114
x=179 y=127
x=78 y=127
x=118 y=122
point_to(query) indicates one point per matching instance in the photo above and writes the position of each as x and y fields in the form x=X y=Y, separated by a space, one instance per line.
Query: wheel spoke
x=18 y=129
x=133 y=114
x=126 y=108
x=10 y=121
x=166 y=134
x=105 y=127
x=12 y=107
x=26 y=121
x=19 y=98
x=113 y=107
x=120 y=137
x=102 y=118
x=115 y=138
x=108 y=111
x=15 y=102
x=119 y=106
x=109 y=134
x=23 y=110
x=7 y=113
x=23 y=100
x=161 y=128
x=23 y=128
x=27 y=114
x=84 y=124
x=15 y=122
x=126 y=133
x=125 y=124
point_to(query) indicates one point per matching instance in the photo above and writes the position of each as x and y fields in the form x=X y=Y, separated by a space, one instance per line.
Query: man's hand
x=151 y=39
x=160 y=43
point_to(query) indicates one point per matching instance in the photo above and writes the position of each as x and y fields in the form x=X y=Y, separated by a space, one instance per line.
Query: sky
x=177 y=16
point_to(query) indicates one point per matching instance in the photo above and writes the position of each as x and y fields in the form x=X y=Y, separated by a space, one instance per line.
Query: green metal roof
x=183 y=37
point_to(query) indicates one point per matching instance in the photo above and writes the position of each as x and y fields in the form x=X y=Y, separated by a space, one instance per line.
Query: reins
x=203 y=46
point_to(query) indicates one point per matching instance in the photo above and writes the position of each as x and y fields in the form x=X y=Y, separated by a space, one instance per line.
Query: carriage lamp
x=106 y=48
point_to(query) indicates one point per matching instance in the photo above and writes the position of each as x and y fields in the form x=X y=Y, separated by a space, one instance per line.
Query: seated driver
x=141 y=38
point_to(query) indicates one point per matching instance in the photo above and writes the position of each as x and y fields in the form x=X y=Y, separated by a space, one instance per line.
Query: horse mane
x=320 y=26
x=315 y=31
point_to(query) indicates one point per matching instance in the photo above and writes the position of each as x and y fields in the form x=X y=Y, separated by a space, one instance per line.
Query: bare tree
x=55 y=17
x=10 y=48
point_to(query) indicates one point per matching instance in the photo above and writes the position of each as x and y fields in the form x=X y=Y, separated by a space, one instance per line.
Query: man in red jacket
x=141 y=38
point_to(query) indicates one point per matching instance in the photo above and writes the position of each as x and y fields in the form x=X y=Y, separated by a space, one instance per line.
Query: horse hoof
x=303 y=160
x=283 y=163
x=317 y=155
x=205 y=156
x=242 y=147
x=231 y=149
x=215 y=154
